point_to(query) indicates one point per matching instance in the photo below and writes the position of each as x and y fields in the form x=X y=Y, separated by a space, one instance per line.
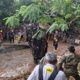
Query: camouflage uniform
x=11 y=36
x=70 y=63
x=29 y=36
x=55 y=40
x=39 y=46
x=55 y=43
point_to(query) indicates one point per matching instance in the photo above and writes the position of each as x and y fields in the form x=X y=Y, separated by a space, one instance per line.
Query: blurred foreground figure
x=70 y=62
x=48 y=71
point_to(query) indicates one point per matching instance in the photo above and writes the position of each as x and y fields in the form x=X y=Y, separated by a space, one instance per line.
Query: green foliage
x=22 y=10
x=56 y=26
x=61 y=6
x=39 y=34
x=67 y=12
x=53 y=27
x=25 y=2
x=12 y=22
x=7 y=8
x=77 y=11
x=41 y=11
x=33 y=13
x=68 y=16
x=45 y=19
x=63 y=27
x=59 y=20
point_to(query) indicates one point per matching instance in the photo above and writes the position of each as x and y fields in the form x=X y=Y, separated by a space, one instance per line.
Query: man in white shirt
x=50 y=60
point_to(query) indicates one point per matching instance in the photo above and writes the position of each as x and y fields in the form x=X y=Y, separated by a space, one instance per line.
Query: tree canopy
x=62 y=13
x=6 y=8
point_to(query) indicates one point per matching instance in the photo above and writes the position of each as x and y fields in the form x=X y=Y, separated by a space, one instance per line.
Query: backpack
x=52 y=76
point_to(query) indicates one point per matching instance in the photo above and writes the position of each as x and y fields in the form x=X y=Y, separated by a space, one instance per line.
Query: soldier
x=55 y=43
x=39 y=44
x=70 y=61
x=55 y=40
x=29 y=35
x=11 y=35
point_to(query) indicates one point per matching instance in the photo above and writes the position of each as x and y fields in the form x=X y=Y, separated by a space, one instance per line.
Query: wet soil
x=15 y=63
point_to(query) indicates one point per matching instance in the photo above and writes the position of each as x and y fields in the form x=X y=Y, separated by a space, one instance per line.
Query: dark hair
x=53 y=62
x=71 y=49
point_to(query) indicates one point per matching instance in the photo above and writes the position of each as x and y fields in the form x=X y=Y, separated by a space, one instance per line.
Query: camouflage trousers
x=76 y=77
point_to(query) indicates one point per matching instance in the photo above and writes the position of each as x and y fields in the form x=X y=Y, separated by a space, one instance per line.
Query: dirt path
x=15 y=63
x=61 y=48
x=18 y=62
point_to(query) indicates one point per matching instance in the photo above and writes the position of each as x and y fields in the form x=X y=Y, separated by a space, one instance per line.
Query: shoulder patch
x=49 y=70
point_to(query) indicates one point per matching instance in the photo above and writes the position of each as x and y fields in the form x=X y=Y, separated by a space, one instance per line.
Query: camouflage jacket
x=70 y=63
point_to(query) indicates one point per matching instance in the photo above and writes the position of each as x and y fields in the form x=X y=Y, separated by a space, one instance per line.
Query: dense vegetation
x=59 y=14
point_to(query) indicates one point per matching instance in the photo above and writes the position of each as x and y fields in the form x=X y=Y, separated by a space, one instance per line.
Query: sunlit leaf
x=33 y=13
x=63 y=27
x=53 y=27
x=12 y=22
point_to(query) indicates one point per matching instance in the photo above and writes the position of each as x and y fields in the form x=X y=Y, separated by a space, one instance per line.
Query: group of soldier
x=70 y=60
x=40 y=43
x=66 y=68
x=37 y=39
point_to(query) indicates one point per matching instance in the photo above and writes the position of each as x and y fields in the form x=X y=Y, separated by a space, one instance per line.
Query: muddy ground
x=16 y=63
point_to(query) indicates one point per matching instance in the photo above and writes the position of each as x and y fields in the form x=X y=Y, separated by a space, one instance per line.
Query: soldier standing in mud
x=70 y=63
x=39 y=45
x=55 y=40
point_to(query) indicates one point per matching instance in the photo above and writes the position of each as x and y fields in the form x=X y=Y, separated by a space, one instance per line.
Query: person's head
x=71 y=49
x=51 y=58
x=42 y=27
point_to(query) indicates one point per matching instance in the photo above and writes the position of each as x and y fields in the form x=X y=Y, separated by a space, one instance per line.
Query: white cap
x=50 y=56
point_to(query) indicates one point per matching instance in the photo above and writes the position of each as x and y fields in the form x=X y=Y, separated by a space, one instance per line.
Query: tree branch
x=73 y=20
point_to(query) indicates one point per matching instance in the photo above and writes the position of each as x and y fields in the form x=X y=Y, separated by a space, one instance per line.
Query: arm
x=34 y=74
x=61 y=76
